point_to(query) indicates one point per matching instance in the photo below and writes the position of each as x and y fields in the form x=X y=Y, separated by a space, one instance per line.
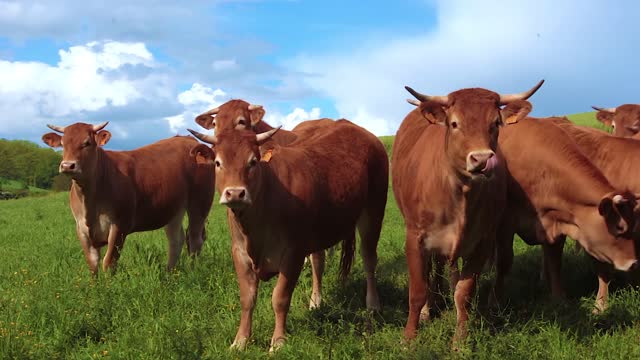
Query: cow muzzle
x=481 y=162
x=69 y=167
x=235 y=197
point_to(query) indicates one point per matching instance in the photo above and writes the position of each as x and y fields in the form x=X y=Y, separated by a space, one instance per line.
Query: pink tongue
x=491 y=163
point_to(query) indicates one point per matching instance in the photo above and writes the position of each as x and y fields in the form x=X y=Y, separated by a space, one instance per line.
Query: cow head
x=234 y=114
x=473 y=119
x=237 y=164
x=618 y=245
x=625 y=119
x=79 y=143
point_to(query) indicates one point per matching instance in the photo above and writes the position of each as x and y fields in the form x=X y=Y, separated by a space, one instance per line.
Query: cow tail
x=346 y=259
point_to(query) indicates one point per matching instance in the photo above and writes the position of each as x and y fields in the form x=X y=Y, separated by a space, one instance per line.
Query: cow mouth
x=488 y=169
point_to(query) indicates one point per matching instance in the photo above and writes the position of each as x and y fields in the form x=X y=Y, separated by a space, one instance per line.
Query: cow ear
x=52 y=139
x=202 y=154
x=256 y=115
x=433 y=112
x=515 y=111
x=618 y=213
x=206 y=121
x=605 y=117
x=102 y=137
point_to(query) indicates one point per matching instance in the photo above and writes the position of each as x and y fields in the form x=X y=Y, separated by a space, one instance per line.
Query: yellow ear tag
x=267 y=155
x=512 y=119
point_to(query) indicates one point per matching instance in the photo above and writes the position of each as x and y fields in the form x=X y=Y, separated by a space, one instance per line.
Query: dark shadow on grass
x=528 y=298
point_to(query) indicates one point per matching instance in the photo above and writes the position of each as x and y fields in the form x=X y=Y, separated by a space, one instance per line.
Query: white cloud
x=88 y=78
x=503 y=46
x=289 y=121
x=196 y=100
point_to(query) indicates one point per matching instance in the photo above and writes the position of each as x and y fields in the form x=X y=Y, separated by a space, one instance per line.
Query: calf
x=301 y=199
x=116 y=193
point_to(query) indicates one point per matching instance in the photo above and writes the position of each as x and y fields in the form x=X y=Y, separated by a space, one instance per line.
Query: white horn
x=99 y=127
x=210 y=139
x=59 y=129
x=609 y=110
x=266 y=135
x=254 y=107
x=506 y=99
x=414 y=102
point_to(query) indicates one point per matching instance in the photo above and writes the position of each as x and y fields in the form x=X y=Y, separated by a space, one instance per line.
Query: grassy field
x=16 y=186
x=51 y=308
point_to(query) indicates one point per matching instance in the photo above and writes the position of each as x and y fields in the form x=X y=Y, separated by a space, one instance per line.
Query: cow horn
x=266 y=135
x=254 y=107
x=442 y=100
x=609 y=110
x=59 y=129
x=414 y=102
x=211 y=112
x=99 y=127
x=210 y=139
x=506 y=99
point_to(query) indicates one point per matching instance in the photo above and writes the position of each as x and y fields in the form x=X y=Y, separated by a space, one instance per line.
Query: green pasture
x=51 y=308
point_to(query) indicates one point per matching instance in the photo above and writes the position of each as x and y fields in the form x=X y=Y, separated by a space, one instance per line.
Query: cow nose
x=234 y=195
x=68 y=167
x=477 y=160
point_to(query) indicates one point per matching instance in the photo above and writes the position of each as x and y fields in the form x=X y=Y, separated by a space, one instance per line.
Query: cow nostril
x=241 y=194
x=473 y=159
x=72 y=166
x=227 y=194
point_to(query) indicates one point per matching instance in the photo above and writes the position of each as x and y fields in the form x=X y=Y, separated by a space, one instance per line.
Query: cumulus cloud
x=503 y=46
x=289 y=121
x=88 y=79
x=196 y=100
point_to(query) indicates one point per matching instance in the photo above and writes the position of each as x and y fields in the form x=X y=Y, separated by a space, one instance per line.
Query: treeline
x=29 y=163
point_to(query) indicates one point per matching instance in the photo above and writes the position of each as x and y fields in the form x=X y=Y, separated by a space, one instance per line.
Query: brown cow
x=616 y=158
x=116 y=193
x=303 y=198
x=554 y=191
x=625 y=119
x=449 y=182
x=240 y=115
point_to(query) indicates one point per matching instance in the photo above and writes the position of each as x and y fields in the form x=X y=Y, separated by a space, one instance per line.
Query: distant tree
x=29 y=163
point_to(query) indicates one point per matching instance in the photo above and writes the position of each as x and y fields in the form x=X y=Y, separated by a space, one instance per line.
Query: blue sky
x=150 y=66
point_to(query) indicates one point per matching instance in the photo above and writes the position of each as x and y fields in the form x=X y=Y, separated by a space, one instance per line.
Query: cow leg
x=317 y=270
x=604 y=278
x=369 y=227
x=175 y=234
x=114 y=246
x=464 y=289
x=417 y=260
x=196 y=232
x=248 y=283
x=436 y=290
x=91 y=253
x=281 y=297
x=553 y=265
x=504 y=262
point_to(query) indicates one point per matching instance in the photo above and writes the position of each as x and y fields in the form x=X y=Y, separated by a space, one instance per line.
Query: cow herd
x=469 y=170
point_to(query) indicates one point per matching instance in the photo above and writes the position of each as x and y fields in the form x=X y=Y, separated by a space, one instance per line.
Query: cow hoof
x=276 y=345
x=239 y=344
x=314 y=303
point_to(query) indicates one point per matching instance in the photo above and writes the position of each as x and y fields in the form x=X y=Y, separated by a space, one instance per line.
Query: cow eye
x=253 y=162
x=217 y=163
x=454 y=124
x=86 y=144
x=241 y=122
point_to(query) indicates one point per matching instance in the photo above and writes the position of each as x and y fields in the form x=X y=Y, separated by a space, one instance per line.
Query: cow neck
x=616 y=157
x=87 y=188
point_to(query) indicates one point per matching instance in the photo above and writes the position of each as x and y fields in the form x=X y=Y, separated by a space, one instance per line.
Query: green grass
x=13 y=186
x=51 y=308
